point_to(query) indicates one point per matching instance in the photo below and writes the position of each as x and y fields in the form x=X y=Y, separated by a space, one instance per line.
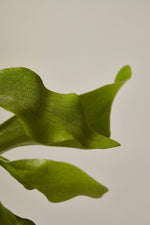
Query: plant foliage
x=48 y=118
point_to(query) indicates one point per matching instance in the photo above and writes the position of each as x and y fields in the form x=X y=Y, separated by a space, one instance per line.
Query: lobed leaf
x=49 y=118
x=58 y=181
x=8 y=218
x=97 y=104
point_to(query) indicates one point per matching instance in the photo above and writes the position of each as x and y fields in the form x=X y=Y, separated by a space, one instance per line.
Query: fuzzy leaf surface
x=48 y=118
x=58 y=181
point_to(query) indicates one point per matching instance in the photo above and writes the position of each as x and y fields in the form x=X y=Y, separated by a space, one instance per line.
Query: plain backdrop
x=77 y=46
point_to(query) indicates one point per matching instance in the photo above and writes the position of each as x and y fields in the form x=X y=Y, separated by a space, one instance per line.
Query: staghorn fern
x=47 y=118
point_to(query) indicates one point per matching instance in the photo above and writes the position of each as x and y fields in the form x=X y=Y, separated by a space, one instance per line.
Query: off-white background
x=77 y=46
